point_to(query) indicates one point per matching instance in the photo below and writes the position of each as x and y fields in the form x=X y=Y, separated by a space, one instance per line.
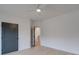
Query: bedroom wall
x=62 y=32
x=24 y=31
x=36 y=23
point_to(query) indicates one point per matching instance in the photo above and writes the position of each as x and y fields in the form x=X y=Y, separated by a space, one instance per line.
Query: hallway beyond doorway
x=35 y=37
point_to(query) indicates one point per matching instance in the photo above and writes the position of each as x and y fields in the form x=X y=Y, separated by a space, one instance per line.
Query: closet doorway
x=9 y=37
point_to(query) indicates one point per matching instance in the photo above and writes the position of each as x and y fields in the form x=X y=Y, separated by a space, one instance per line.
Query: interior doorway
x=35 y=37
x=9 y=37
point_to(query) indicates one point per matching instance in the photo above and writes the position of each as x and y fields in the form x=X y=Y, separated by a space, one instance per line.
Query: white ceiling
x=29 y=10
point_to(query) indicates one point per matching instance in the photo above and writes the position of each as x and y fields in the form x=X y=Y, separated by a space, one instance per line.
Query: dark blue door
x=9 y=37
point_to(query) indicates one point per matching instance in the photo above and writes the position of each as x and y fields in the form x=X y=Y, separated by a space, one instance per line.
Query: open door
x=32 y=37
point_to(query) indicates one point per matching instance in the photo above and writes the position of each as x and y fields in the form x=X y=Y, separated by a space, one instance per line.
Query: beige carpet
x=40 y=51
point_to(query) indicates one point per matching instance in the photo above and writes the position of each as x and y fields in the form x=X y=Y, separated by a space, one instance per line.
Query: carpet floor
x=40 y=51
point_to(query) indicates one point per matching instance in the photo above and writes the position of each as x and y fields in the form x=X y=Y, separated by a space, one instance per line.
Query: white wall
x=62 y=32
x=24 y=31
x=36 y=23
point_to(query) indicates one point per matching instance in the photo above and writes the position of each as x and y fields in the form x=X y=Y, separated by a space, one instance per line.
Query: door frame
x=33 y=37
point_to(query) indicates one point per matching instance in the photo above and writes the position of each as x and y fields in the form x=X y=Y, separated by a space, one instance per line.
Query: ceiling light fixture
x=38 y=8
